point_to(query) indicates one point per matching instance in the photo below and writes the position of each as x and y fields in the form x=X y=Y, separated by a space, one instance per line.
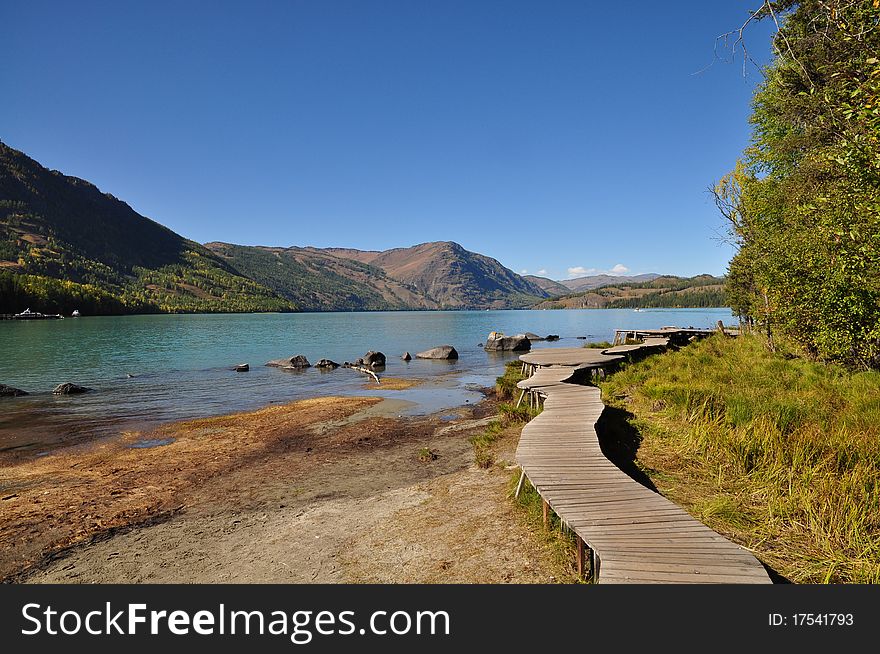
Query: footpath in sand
x=329 y=490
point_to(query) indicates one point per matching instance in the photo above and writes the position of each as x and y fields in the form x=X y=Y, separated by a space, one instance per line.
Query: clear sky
x=561 y=137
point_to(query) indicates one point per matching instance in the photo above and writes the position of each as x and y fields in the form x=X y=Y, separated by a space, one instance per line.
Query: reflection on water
x=150 y=369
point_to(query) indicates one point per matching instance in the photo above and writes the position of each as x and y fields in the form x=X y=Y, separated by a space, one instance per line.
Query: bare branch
x=738 y=43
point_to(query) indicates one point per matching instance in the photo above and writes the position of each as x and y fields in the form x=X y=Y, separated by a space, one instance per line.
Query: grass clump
x=505 y=385
x=484 y=457
x=599 y=345
x=779 y=452
x=426 y=455
x=508 y=415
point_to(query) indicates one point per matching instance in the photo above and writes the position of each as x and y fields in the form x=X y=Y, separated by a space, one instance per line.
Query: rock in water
x=9 y=391
x=374 y=359
x=439 y=352
x=242 y=367
x=298 y=361
x=497 y=342
x=533 y=337
x=406 y=356
x=326 y=364
x=552 y=337
x=69 y=389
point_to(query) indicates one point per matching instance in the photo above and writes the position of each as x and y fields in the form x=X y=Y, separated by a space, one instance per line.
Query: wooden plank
x=694 y=568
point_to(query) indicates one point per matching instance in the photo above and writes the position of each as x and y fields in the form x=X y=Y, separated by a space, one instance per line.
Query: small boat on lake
x=27 y=314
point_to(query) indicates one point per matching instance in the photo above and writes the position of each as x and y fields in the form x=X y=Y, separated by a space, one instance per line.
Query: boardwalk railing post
x=519 y=483
x=594 y=567
x=580 y=557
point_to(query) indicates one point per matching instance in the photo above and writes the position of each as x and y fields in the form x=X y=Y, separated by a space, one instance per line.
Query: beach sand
x=323 y=490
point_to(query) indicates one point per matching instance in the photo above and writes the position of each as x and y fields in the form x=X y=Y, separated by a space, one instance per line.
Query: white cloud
x=580 y=271
x=523 y=272
x=542 y=272
x=619 y=269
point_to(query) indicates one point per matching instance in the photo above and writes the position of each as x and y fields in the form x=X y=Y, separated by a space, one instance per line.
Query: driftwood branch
x=366 y=371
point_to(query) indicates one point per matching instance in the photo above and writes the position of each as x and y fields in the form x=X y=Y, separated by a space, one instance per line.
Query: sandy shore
x=323 y=490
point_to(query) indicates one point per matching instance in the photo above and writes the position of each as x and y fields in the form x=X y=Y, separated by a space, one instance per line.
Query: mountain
x=554 y=288
x=437 y=275
x=662 y=291
x=581 y=284
x=317 y=280
x=453 y=277
x=64 y=245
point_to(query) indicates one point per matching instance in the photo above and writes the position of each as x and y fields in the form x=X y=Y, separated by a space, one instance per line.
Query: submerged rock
x=497 y=342
x=9 y=391
x=242 y=367
x=374 y=359
x=298 y=361
x=439 y=352
x=69 y=389
x=326 y=364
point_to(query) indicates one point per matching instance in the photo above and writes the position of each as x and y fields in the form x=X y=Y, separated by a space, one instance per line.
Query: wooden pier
x=625 y=532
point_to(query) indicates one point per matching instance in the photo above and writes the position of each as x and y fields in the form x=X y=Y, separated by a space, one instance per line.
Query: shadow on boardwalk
x=620 y=442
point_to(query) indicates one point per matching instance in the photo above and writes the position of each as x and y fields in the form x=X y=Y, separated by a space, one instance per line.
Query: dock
x=625 y=532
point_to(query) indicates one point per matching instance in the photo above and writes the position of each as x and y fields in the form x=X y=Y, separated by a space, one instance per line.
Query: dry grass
x=780 y=453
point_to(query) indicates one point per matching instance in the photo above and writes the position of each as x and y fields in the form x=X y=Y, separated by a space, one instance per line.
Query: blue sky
x=563 y=137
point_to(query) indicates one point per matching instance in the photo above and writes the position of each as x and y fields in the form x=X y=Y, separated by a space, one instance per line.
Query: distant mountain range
x=659 y=291
x=65 y=245
x=581 y=284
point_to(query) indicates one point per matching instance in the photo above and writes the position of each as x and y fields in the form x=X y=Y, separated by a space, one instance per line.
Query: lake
x=151 y=369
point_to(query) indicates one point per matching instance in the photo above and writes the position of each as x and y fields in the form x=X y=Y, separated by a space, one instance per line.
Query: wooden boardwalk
x=635 y=535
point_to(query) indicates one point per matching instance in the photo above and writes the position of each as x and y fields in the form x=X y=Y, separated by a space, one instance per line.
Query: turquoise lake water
x=180 y=364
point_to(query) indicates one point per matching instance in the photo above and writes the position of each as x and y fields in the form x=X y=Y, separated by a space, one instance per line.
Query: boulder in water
x=533 y=337
x=497 y=342
x=296 y=362
x=326 y=364
x=552 y=337
x=374 y=359
x=406 y=356
x=9 y=391
x=69 y=389
x=439 y=352
x=242 y=367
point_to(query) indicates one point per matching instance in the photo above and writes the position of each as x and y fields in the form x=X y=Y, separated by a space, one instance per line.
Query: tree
x=803 y=203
